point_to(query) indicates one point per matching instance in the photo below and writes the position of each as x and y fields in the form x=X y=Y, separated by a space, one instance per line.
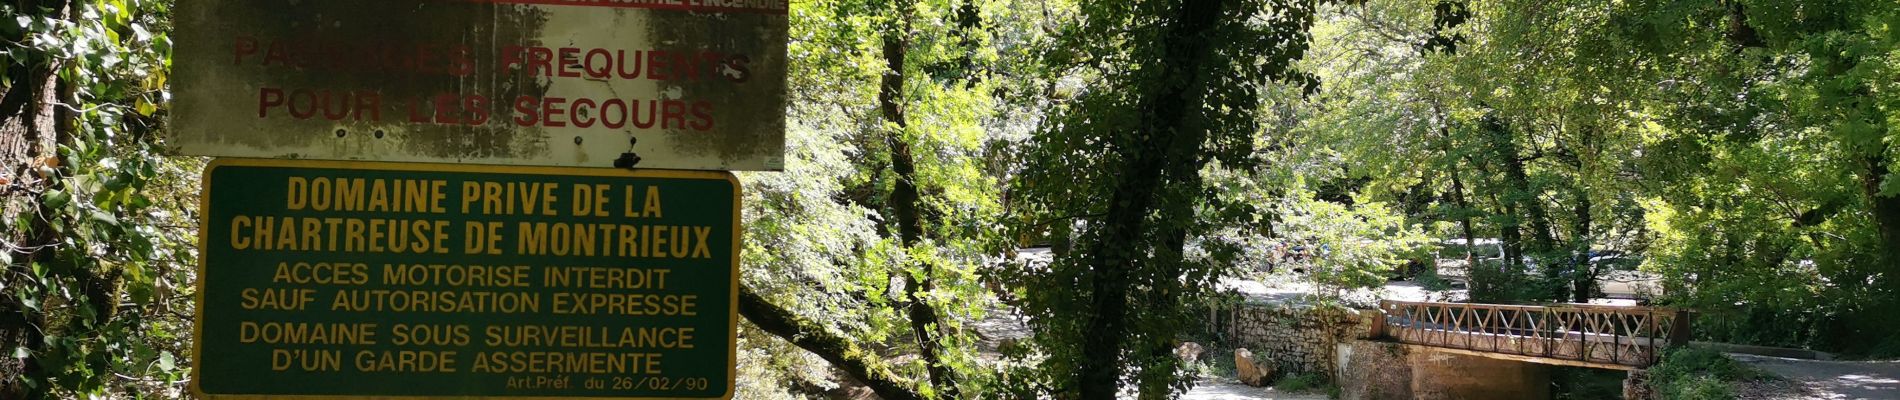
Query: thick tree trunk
x=1464 y=219
x=27 y=137
x=1184 y=179
x=840 y=351
x=1886 y=213
x=1526 y=198
x=1117 y=248
x=903 y=202
x=31 y=128
x=1739 y=34
x=1511 y=236
x=1523 y=196
x=1584 y=278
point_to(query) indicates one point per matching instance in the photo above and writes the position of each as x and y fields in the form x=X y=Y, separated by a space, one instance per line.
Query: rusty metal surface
x=1621 y=336
x=488 y=82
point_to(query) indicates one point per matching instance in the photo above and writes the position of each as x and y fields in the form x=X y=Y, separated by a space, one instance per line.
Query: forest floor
x=1871 y=380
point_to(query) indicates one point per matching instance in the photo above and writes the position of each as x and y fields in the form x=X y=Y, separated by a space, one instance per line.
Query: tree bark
x=1584 y=278
x=1464 y=219
x=1523 y=197
x=31 y=128
x=1886 y=213
x=837 y=350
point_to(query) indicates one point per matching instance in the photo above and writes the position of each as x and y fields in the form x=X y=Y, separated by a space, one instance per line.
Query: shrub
x=1698 y=374
x=1300 y=383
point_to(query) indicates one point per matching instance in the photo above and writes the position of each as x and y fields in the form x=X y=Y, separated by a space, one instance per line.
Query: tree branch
x=842 y=353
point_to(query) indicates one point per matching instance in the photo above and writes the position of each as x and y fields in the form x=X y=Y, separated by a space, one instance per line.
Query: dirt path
x=1833 y=380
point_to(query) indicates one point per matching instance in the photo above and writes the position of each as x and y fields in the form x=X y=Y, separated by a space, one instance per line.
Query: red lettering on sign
x=332 y=105
x=556 y=112
x=244 y=46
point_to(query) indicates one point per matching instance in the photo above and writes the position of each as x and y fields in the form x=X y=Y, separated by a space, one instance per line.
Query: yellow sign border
x=204 y=226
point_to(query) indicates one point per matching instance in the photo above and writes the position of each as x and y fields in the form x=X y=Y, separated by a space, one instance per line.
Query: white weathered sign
x=595 y=83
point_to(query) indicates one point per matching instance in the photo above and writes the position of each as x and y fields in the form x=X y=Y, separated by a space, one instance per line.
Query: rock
x=1636 y=386
x=1251 y=372
x=1189 y=352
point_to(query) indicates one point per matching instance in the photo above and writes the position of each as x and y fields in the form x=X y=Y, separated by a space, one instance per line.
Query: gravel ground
x=1235 y=391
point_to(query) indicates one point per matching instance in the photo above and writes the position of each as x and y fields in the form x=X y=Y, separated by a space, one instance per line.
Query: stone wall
x=1296 y=338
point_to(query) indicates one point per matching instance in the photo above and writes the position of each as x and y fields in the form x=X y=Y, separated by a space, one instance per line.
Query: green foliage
x=1343 y=247
x=109 y=297
x=1302 y=383
x=1164 y=92
x=1742 y=149
x=1699 y=374
x=1770 y=210
x=822 y=235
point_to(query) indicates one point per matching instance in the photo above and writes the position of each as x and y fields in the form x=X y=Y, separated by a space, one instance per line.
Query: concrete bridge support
x=1372 y=370
x=1446 y=376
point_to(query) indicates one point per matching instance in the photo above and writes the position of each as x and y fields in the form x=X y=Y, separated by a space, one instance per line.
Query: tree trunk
x=1511 y=235
x=1523 y=197
x=1584 y=278
x=31 y=128
x=1464 y=219
x=903 y=201
x=1117 y=249
x=1886 y=213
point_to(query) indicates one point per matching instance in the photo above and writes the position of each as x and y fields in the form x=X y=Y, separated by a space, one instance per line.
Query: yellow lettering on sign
x=591 y=200
x=605 y=278
x=238 y=240
x=405 y=361
x=555 y=362
x=509 y=198
x=276 y=299
x=429 y=301
x=360 y=194
x=340 y=234
x=614 y=240
x=321 y=273
x=595 y=337
x=455 y=275
x=625 y=304
x=428 y=335
x=306 y=360
x=652 y=209
x=306 y=333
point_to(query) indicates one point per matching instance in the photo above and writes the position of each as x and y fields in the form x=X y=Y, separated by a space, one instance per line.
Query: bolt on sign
x=668 y=84
x=384 y=280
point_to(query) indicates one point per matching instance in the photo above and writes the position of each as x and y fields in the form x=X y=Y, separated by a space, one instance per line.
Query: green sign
x=340 y=279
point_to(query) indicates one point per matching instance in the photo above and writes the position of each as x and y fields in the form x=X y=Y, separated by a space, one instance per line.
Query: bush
x=1429 y=280
x=1699 y=374
x=1300 y=383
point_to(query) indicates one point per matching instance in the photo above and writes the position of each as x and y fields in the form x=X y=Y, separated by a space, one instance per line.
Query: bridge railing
x=1588 y=334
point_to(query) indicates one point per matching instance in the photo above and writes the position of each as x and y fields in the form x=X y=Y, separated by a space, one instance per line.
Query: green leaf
x=166 y=362
x=57 y=199
x=105 y=218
